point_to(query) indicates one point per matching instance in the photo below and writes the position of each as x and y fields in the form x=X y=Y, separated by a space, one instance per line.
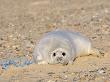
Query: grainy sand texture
x=23 y=22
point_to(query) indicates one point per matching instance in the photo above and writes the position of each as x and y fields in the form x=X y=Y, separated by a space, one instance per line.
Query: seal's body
x=61 y=46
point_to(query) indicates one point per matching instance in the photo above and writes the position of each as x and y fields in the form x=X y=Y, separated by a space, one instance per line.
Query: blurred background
x=22 y=22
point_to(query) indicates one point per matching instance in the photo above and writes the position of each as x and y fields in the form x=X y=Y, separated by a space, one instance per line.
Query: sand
x=23 y=22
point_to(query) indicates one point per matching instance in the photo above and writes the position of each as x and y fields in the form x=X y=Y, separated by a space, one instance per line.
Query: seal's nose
x=59 y=59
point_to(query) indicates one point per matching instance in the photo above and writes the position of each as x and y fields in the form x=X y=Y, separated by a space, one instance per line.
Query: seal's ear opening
x=54 y=54
x=63 y=53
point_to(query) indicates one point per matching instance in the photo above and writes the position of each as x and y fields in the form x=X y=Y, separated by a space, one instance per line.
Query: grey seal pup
x=61 y=47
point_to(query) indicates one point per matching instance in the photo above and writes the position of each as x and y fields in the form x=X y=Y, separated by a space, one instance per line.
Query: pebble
x=106 y=10
x=51 y=73
x=101 y=71
x=50 y=81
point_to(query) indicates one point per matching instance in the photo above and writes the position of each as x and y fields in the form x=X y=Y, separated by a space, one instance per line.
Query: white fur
x=60 y=41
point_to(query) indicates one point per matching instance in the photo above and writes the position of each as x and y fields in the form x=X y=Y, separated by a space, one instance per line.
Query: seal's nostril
x=59 y=59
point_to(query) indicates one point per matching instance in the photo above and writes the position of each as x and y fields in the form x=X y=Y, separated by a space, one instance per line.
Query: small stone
x=15 y=46
x=1 y=39
x=101 y=71
x=94 y=37
x=11 y=36
x=76 y=23
x=29 y=57
x=106 y=11
x=29 y=49
x=51 y=73
x=50 y=81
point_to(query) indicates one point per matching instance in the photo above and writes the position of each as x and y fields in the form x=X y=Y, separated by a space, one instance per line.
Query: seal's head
x=59 y=56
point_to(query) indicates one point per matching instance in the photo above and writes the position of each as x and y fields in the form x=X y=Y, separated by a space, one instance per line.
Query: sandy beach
x=23 y=22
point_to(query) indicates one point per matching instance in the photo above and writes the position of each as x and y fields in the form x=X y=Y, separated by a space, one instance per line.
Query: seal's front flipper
x=42 y=62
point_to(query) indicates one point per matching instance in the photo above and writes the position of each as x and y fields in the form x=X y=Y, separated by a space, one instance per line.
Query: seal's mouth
x=62 y=62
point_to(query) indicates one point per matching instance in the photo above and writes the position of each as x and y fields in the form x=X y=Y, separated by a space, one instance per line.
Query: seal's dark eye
x=63 y=53
x=54 y=54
